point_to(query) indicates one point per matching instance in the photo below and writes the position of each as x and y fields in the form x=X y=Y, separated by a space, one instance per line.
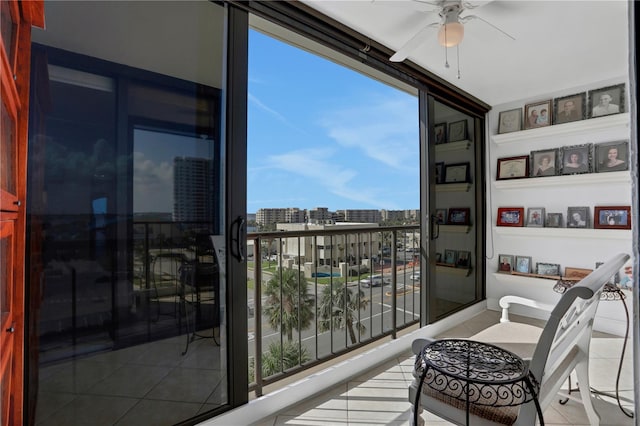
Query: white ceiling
x=558 y=44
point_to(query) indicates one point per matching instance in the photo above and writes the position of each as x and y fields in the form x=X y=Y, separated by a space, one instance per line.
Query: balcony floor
x=380 y=396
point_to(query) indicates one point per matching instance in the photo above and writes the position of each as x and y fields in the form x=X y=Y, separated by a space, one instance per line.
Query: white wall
x=580 y=248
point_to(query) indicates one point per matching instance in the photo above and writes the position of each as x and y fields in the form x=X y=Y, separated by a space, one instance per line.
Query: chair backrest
x=571 y=321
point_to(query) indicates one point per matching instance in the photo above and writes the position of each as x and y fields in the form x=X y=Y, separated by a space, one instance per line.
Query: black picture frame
x=541 y=168
x=570 y=108
x=578 y=217
x=459 y=216
x=552 y=269
x=457 y=173
x=463 y=259
x=441 y=216
x=599 y=106
x=603 y=160
x=576 y=159
x=440 y=133
x=513 y=167
x=457 y=131
x=439 y=170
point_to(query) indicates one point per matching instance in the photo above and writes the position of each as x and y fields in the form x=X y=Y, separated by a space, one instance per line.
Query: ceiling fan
x=450 y=26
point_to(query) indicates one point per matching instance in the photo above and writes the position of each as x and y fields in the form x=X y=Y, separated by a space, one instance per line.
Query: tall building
x=192 y=189
x=361 y=216
x=280 y=215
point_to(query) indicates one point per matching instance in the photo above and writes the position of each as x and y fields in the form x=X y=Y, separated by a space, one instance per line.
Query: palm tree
x=339 y=309
x=289 y=306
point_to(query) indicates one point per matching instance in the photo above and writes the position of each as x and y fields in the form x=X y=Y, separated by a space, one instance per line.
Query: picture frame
x=551 y=269
x=459 y=216
x=523 y=264
x=544 y=162
x=440 y=133
x=612 y=217
x=554 y=220
x=457 y=131
x=576 y=159
x=457 y=173
x=505 y=263
x=538 y=114
x=606 y=100
x=450 y=257
x=575 y=274
x=535 y=217
x=463 y=259
x=439 y=172
x=570 y=108
x=513 y=167
x=612 y=156
x=510 y=121
x=510 y=216
x=441 y=216
x=438 y=257
x=578 y=217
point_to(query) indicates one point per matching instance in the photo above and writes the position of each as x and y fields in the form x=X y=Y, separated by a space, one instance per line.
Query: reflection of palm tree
x=339 y=309
x=288 y=306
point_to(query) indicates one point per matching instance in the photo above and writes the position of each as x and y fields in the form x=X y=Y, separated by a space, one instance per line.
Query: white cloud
x=319 y=166
x=384 y=128
x=152 y=185
x=258 y=103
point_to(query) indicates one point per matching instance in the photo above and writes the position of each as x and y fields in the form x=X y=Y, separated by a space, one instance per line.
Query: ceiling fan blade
x=469 y=17
x=417 y=5
x=412 y=44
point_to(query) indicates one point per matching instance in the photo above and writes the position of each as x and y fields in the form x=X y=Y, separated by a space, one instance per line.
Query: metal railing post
x=257 y=313
x=394 y=277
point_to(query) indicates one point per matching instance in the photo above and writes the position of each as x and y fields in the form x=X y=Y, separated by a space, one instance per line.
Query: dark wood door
x=15 y=32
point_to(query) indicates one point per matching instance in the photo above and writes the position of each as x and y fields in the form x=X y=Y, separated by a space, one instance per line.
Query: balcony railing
x=317 y=294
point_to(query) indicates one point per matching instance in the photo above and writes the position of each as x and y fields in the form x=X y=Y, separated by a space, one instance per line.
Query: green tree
x=339 y=309
x=289 y=306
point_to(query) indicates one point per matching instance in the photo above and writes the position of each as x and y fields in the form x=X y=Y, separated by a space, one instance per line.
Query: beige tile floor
x=380 y=397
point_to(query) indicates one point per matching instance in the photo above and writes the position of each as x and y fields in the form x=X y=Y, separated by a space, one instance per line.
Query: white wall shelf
x=453 y=270
x=574 y=128
x=453 y=187
x=462 y=229
x=523 y=279
x=563 y=233
x=607 y=178
x=453 y=146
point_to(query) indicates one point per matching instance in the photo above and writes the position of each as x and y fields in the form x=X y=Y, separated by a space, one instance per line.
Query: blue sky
x=321 y=135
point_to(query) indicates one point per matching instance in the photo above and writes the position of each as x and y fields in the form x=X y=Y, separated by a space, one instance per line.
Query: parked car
x=415 y=277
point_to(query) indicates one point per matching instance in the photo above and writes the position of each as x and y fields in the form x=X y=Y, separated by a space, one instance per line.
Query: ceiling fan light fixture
x=450 y=34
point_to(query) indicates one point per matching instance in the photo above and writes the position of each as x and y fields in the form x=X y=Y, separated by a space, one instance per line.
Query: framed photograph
x=510 y=121
x=612 y=217
x=612 y=156
x=523 y=264
x=505 y=263
x=578 y=217
x=570 y=108
x=554 y=220
x=441 y=216
x=458 y=131
x=576 y=273
x=456 y=173
x=537 y=114
x=576 y=159
x=464 y=259
x=510 y=216
x=450 y=257
x=440 y=133
x=535 y=217
x=548 y=269
x=544 y=162
x=438 y=257
x=606 y=101
x=459 y=216
x=513 y=167
x=439 y=172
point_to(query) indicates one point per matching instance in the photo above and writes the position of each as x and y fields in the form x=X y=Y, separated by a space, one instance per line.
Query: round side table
x=477 y=373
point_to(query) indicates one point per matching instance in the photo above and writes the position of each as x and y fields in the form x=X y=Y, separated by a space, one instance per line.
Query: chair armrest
x=506 y=301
